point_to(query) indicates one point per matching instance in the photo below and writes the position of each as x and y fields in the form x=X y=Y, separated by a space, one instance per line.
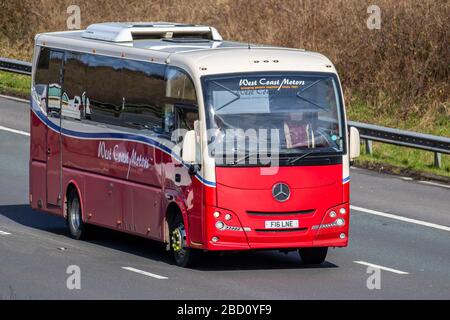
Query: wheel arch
x=174 y=209
x=73 y=185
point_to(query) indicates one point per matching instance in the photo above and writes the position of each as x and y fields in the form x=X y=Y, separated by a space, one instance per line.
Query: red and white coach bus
x=166 y=131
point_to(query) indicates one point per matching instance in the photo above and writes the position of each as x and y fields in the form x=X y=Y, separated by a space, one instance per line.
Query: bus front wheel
x=313 y=255
x=183 y=255
x=77 y=228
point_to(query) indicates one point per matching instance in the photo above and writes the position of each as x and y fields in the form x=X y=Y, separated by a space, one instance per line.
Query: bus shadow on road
x=25 y=216
x=256 y=260
x=153 y=250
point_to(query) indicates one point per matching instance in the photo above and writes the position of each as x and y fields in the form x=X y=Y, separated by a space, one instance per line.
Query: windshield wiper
x=248 y=155
x=305 y=155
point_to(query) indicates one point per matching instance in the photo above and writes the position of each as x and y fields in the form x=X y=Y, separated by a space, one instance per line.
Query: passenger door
x=53 y=143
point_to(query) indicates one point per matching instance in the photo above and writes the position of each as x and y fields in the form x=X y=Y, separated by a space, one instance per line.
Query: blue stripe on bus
x=114 y=135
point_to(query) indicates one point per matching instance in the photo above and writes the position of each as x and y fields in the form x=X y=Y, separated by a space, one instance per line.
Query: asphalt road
x=35 y=250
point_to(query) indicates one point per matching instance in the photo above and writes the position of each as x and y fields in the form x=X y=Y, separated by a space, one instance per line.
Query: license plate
x=282 y=224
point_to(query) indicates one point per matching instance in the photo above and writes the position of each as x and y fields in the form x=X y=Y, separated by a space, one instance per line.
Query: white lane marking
x=3 y=233
x=14 y=98
x=14 y=131
x=435 y=184
x=396 y=217
x=381 y=267
x=145 y=273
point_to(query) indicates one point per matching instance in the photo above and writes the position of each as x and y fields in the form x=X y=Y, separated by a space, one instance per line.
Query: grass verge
x=15 y=84
x=396 y=159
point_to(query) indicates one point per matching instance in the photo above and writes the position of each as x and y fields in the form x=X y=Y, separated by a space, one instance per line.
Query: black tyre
x=184 y=256
x=313 y=255
x=77 y=228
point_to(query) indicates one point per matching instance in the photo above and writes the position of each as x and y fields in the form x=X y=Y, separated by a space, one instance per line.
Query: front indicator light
x=332 y=214
x=342 y=211
x=216 y=214
x=228 y=216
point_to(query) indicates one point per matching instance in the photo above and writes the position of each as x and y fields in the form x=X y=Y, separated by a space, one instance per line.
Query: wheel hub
x=178 y=240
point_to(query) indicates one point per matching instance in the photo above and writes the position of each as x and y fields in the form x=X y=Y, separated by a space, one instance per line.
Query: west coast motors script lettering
x=116 y=155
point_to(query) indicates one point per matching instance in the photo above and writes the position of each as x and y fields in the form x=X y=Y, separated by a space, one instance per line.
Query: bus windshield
x=299 y=113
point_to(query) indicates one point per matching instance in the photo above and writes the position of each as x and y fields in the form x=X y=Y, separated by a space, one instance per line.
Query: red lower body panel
x=316 y=209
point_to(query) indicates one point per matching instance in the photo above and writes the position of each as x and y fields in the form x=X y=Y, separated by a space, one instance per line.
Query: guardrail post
x=368 y=144
x=438 y=160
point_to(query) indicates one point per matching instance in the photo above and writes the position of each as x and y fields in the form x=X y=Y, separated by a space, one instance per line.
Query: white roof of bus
x=199 y=56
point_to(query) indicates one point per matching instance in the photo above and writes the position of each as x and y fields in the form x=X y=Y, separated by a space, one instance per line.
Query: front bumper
x=316 y=229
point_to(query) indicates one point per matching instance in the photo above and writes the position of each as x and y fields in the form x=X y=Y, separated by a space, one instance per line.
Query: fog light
x=332 y=214
x=216 y=214
x=340 y=222
x=214 y=239
x=342 y=236
x=220 y=225
x=342 y=211
x=228 y=216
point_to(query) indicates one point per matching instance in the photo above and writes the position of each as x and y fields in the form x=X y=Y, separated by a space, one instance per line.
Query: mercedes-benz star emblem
x=281 y=192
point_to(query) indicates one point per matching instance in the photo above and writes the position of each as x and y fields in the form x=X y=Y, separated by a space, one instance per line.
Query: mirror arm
x=194 y=169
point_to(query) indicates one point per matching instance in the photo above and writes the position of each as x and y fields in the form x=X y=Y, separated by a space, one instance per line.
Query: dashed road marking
x=401 y=218
x=145 y=273
x=4 y=233
x=381 y=267
x=14 y=131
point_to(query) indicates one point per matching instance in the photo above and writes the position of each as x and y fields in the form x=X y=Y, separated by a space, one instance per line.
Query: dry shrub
x=405 y=65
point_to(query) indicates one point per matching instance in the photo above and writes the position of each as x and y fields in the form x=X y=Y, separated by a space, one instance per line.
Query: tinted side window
x=181 y=107
x=143 y=89
x=104 y=87
x=180 y=86
x=74 y=86
x=46 y=80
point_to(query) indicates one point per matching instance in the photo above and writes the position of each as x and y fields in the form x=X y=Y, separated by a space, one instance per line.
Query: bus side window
x=181 y=107
x=46 y=80
x=104 y=89
x=143 y=94
x=74 y=86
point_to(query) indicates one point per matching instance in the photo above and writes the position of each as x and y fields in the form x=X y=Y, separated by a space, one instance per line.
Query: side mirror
x=189 y=147
x=355 y=143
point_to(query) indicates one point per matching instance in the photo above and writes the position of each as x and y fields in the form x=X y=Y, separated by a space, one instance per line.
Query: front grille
x=286 y=213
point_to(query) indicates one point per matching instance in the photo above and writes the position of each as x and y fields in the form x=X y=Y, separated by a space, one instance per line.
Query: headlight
x=220 y=225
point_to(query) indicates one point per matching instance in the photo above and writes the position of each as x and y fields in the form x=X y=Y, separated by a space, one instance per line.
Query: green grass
x=400 y=159
x=403 y=160
x=15 y=84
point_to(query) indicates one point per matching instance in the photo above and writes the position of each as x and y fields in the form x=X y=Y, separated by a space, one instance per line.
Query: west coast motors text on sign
x=272 y=83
